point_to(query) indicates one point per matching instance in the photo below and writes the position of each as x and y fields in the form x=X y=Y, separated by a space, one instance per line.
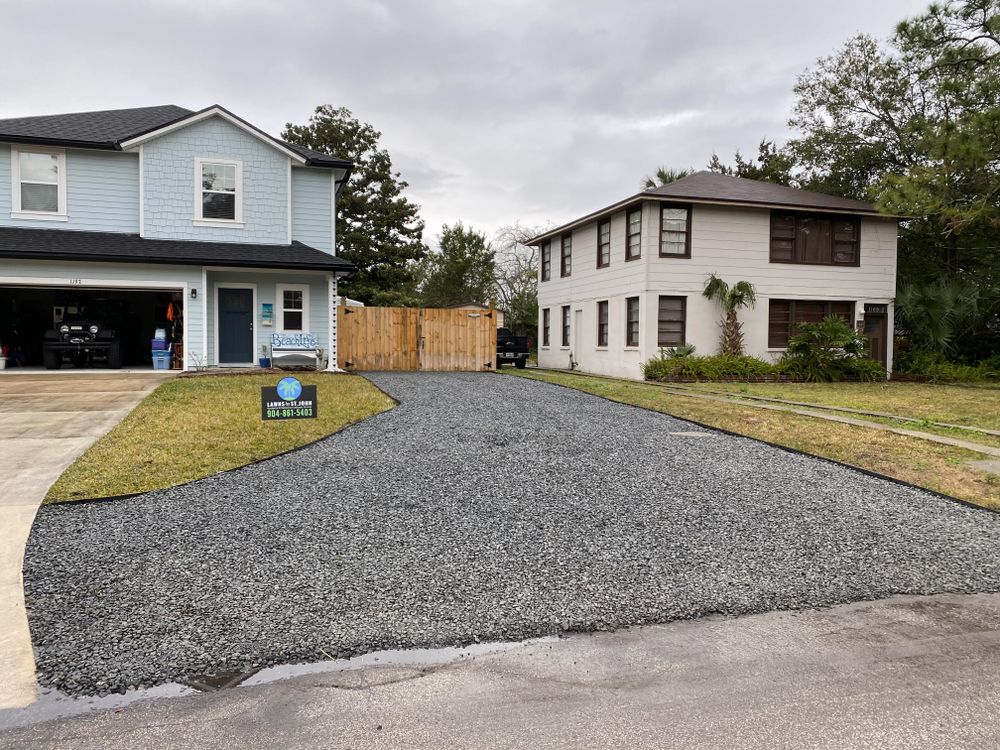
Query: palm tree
x=731 y=299
x=664 y=176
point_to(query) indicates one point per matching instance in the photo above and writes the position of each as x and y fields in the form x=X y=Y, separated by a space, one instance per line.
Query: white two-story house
x=619 y=284
x=163 y=219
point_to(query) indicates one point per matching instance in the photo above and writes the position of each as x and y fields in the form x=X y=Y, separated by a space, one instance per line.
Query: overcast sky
x=495 y=111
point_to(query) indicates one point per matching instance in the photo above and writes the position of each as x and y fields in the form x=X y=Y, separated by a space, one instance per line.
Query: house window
x=602 y=323
x=565 y=325
x=632 y=321
x=633 y=234
x=604 y=244
x=546 y=261
x=675 y=232
x=566 y=264
x=219 y=197
x=671 y=321
x=293 y=307
x=816 y=239
x=546 y=320
x=38 y=183
x=783 y=315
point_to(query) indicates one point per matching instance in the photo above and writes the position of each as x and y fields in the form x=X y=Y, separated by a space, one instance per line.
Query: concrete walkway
x=46 y=421
x=907 y=672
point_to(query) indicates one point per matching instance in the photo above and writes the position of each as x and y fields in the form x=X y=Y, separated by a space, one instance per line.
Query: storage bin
x=161 y=360
x=160 y=345
x=160 y=334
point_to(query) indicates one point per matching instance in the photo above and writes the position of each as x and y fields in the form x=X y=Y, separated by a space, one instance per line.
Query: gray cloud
x=512 y=110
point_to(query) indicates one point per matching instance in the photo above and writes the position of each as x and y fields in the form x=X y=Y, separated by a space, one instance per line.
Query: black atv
x=83 y=340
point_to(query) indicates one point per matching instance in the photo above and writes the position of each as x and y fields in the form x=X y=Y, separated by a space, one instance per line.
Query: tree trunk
x=731 y=342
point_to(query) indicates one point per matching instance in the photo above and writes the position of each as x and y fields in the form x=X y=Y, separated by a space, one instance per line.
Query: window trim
x=545 y=263
x=199 y=218
x=628 y=233
x=566 y=334
x=687 y=231
x=601 y=223
x=832 y=218
x=683 y=300
x=546 y=327
x=16 y=212
x=606 y=307
x=279 y=299
x=628 y=322
x=827 y=312
x=565 y=269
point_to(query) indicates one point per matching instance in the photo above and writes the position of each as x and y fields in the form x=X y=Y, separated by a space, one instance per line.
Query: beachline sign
x=289 y=399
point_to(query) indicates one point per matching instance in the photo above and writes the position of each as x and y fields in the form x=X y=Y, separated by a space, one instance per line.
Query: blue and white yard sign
x=289 y=399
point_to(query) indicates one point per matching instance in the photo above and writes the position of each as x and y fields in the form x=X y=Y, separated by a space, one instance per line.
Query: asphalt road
x=909 y=672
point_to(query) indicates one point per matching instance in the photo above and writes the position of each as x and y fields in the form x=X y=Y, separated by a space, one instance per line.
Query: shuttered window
x=783 y=314
x=671 y=321
x=546 y=324
x=632 y=321
x=633 y=234
x=546 y=261
x=815 y=239
x=604 y=244
x=602 y=323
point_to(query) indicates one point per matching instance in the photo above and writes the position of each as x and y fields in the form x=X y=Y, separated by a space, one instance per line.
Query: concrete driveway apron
x=46 y=421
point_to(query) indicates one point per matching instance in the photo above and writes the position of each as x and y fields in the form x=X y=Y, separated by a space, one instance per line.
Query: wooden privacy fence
x=414 y=338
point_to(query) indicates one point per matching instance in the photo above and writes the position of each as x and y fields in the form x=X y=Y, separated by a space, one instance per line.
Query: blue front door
x=235 y=325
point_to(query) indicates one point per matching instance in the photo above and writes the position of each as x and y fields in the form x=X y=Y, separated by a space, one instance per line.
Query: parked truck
x=512 y=349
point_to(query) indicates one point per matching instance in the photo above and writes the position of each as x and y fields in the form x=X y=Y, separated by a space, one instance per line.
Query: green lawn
x=192 y=427
x=977 y=406
x=937 y=467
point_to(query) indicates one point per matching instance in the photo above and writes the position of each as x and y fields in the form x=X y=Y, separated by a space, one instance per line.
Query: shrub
x=720 y=367
x=936 y=368
x=827 y=351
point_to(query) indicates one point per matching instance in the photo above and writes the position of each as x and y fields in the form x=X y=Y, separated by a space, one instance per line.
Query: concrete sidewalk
x=46 y=422
x=907 y=672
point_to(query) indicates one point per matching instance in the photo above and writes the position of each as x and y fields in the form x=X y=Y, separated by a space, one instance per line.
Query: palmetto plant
x=731 y=299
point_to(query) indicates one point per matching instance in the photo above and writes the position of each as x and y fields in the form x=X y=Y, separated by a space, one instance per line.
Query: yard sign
x=289 y=399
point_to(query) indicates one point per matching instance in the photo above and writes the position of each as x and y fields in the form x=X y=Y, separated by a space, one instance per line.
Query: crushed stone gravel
x=481 y=508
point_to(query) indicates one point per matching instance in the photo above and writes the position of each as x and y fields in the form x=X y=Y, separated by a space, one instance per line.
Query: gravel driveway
x=483 y=507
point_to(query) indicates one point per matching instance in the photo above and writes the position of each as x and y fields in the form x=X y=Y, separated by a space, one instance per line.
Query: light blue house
x=196 y=223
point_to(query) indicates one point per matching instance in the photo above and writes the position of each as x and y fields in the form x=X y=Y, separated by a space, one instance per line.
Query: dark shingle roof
x=709 y=186
x=60 y=244
x=103 y=129
x=107 y=129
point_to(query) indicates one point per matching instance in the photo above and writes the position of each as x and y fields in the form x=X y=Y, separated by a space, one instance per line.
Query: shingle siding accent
x=169 y=184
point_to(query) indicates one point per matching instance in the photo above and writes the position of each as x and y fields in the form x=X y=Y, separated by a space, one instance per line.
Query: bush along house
x=619 y=284
x=162 y=224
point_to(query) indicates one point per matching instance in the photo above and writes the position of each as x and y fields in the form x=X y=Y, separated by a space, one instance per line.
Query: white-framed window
x=218 y=192
x=292 y=301
x=38 y=183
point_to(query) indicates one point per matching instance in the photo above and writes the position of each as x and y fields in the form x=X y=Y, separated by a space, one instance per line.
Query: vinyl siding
x=102 y=192
x=267 y=293
x=312 y=204
x=729 y=241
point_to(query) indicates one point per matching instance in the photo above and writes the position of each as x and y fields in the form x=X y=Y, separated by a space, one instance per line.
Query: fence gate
x=412 y=338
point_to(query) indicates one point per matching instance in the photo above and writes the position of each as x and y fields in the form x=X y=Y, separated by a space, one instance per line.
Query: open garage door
x=90 y=327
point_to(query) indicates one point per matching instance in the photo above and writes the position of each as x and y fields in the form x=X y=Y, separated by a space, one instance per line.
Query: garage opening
x=66 y=327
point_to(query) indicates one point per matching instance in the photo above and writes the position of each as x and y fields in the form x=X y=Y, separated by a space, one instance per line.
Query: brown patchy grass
x=192 y=427
x=977 y=406
x=936 y=467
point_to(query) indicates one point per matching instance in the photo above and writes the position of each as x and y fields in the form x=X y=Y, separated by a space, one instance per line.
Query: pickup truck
x=512 y=349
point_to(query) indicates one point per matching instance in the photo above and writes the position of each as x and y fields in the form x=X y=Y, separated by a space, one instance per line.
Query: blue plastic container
x=160 y=345
x=161 y=360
